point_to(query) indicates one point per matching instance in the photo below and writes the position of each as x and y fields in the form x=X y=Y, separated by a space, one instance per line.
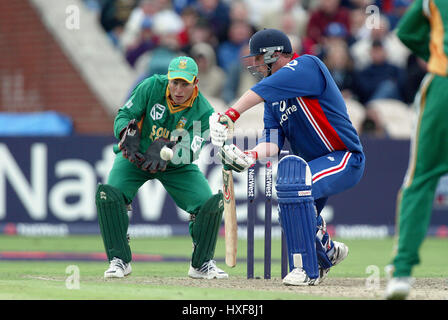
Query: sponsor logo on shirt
x=159 y=132
x=157 y=112
x=285 y=110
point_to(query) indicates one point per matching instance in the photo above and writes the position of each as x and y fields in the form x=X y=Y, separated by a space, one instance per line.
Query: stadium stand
x=87 y=72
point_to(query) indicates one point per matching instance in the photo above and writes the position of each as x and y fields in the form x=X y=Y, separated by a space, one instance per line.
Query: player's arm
x=414 y=29
x=247 y=101
x=266 y=150
x=268 y=145
x=126 y=127
x=134 y=108
x=239 y=160
x=296 y=79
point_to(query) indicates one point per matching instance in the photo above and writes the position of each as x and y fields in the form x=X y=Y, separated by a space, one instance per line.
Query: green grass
x=47 y=279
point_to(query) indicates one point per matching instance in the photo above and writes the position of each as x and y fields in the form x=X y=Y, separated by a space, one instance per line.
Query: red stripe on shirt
x=327 y=129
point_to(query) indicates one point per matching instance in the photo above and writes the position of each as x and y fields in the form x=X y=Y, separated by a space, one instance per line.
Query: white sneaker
x=209 y=270
x=117 y=269
x=398 y=288
x=298 y=277
x=340 y=253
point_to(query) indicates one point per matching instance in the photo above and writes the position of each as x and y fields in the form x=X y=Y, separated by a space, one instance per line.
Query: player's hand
x=152 y=161
x=221 y=126
x=130 y=142
x=234 y=158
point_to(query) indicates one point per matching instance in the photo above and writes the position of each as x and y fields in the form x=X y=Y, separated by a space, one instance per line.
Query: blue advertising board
x=47 y=187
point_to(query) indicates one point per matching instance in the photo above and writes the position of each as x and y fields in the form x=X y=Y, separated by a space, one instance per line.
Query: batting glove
x=234 y=158
x=221 y=126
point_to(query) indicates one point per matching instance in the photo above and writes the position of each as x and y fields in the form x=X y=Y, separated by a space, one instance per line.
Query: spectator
x=240 y=12
x=328 y=11
x=398 y=9
x=288 y=24
x=289 y=8
x=413 y=76
x=396 y=52
x=167 y=26
x=380 y=79
x=146 y=10
x=200 y=32
x=114 y=14
x=180 y=5
x=217 y=13
x=335 y=32
x=358 y=28
x=238 y=78
x=189 y=17
x=340 y=65
x=228 y=51
x=146 y=42
x=258 y=8
x=211 y=76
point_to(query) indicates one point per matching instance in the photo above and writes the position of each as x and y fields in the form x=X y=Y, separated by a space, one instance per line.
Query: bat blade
x=230 y=223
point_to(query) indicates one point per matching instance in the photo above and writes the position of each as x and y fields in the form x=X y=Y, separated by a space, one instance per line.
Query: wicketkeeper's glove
x=234 y=158
x=130 y=142
x=152 y=161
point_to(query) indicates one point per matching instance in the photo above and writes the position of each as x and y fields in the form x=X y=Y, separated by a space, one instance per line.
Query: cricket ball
x=166 y=154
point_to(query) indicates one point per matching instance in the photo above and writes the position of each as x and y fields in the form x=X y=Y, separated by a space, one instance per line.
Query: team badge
x=181 y=123
x=157 y=112
x=182 y=64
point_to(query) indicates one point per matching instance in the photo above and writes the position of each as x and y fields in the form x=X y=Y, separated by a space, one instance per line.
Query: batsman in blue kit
x=302 y=104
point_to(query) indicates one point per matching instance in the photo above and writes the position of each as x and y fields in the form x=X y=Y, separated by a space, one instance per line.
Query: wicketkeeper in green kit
x=163 y=111
x=424 y=30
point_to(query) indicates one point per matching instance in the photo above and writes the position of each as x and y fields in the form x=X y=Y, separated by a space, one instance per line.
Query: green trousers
x=188 y=188
x=428 y=161
x=186 y=185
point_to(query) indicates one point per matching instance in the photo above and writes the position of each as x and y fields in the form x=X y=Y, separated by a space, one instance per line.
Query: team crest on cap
x=182 y=64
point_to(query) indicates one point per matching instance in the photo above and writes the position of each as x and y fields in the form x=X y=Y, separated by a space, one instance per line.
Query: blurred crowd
x=354 y=38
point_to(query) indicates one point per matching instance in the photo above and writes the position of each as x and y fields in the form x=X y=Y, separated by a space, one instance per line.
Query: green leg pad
x=204 y=230
x=113 y=221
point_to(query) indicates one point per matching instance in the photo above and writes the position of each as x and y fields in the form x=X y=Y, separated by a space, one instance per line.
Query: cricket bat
x=231 y=227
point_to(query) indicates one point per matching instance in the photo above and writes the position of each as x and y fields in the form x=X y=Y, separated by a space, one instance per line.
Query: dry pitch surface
x=343 y=288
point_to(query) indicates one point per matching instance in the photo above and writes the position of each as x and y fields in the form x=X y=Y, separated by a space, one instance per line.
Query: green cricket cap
x=183 y=68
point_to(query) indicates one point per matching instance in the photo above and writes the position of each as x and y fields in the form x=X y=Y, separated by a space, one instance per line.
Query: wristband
x=252 y=153
x=232 y=114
